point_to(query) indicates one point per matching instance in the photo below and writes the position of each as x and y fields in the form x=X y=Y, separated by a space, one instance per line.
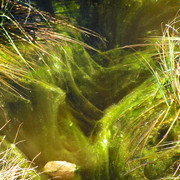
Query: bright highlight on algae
x=69 y=111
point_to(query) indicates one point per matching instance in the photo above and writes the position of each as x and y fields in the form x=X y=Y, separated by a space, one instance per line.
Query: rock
x=60 y=169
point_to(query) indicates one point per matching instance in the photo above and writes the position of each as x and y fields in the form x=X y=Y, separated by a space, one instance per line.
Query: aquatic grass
x=135 y=126
x=141 y=140
x=16 y=70
x=11 y=70
x=13 y=163
x=168 y=52
x=15 y=29
x=168 y=75
x=14 y=67
x=132 y=119
x=145 y=127
x=13 y=168
x=155 y=163
x=7 y=16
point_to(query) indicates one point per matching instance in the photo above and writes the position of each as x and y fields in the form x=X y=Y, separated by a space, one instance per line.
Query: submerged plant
x=168 y=73
x=66 y=93
x=13 y=163
x=13 y=168
x=153 y=130
x=21 y=33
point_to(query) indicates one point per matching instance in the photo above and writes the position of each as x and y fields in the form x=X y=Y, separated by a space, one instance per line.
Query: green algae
x=60 y=115
x=59 y=112
x=68 y=112
x=134 y=122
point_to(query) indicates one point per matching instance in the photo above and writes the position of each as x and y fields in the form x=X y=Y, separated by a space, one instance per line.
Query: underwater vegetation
x=112 y=114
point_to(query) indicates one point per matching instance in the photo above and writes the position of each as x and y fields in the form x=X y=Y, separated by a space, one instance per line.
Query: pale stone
x=60 y=169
